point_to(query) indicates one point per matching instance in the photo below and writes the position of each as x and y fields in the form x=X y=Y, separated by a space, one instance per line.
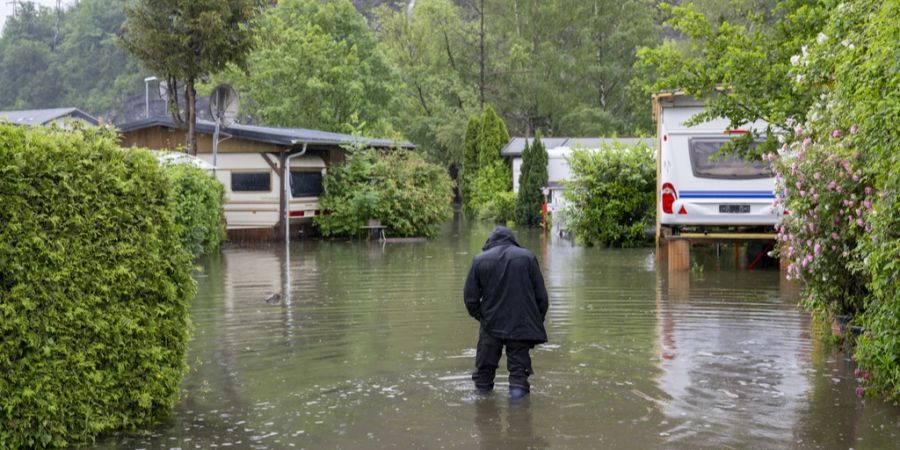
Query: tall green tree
x=317 y=65
x=67 y=57
x=532 y=180
x=184 y=41
x=490 y=174
x=492 y=137
x=428 y=45
x=96 y=73
x=27 y=58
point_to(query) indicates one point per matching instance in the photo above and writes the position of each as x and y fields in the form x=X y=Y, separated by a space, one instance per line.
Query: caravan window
x=306 y=184
x=251 y=181
x=707 y=164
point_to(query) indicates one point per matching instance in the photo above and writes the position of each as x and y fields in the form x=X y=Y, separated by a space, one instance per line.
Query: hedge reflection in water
x=374 y=350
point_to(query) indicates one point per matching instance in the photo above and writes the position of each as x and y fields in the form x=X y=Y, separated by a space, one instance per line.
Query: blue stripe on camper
x=726 y=194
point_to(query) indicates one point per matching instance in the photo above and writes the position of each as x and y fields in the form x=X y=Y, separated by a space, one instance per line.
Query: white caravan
x=252 y=189
x=699 y=189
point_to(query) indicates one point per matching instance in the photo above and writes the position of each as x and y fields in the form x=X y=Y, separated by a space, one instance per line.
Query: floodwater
x=371 y=347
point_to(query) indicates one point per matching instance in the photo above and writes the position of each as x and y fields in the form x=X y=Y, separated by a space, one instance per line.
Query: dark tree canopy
x=186 y=40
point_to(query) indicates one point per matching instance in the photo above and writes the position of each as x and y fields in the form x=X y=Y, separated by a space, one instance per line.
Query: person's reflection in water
x=518 y=432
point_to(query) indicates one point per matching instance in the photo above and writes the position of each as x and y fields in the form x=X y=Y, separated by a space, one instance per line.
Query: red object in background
x=544 y=215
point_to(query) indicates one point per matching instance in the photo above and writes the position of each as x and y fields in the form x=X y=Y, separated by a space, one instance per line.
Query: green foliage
x=183 y=41
x=749 y=59
x=854 y=64
x=94 y=288
x=317 y=65
x=612 y=194
x=828 y=197
x=488 y=186
x=470 y=156
x=485 y=137
x=826 y=74
x=408 y=195
x=431 y=50
x=199 y=200
x=532 y=180
x=558 y=65
x=500 y=209
x=189 y=39
x=491 y=139
x=66 y=59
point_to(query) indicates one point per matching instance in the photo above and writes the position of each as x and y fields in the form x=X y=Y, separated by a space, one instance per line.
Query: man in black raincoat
x=505 y=292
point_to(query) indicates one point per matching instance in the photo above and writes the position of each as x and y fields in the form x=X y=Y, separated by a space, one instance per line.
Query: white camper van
x=699 y=189
x=252 y=189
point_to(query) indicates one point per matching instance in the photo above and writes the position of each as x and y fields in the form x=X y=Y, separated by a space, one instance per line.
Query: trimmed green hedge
x=199 y=201
x=611 y=195
x=94 y=288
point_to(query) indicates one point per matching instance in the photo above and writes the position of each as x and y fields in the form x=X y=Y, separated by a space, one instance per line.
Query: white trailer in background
x=700 y=190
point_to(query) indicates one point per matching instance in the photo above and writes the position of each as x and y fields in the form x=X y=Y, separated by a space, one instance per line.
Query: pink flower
x=836 y=133
x=818 y=250
x=857 y=373
x=860 y=222
x=798 y=131
x=831 y=186
x=868 y=190
x=854 y=129
x=817 y=175
x=860 y=391
x=807 y=142
x=802 y=193
x=798 y=185
x=834 y=235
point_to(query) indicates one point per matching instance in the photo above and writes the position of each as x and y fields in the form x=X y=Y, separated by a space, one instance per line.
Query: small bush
x=408 y=195
x=500 y=209
x=611 y=196
x=199 y=199
x=94 y=288
x=488 y=184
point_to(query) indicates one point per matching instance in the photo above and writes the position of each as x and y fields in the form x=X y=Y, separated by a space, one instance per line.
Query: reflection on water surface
x=370 y=347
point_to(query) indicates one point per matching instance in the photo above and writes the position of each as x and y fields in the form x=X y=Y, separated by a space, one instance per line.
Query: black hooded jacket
x=505 y=290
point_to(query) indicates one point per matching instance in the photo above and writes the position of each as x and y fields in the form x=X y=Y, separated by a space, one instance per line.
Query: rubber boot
x=517 y=393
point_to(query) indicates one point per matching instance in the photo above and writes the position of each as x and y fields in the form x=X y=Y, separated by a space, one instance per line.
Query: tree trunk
x=481 y=83
x=191 y=94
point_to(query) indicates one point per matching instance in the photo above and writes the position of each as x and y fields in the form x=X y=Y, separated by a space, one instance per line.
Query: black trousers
x=487 y=358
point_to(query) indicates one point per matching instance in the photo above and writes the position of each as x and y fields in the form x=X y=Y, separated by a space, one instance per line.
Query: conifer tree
x=494 y=135
x=532 y=180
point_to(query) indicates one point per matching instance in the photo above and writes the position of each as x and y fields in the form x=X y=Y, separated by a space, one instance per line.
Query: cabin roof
x=517 y=144
x=36 y=117
x=270 y=135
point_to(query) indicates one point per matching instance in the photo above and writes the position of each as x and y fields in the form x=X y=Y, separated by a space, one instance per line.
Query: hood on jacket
x=500 y=236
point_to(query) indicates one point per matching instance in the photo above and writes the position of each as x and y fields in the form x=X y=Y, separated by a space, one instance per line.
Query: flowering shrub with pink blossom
x=845 y=242
x=828 y=198
x=833 y=67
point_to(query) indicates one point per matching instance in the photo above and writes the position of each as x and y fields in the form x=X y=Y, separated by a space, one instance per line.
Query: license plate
x=734 y=209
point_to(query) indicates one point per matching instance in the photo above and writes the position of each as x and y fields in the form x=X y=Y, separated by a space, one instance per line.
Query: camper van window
x=707 y=164
x=306 y=184
x=251 y=181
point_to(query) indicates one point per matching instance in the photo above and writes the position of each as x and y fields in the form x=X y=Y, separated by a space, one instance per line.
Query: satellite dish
x=164 y=91
x=223 y=105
